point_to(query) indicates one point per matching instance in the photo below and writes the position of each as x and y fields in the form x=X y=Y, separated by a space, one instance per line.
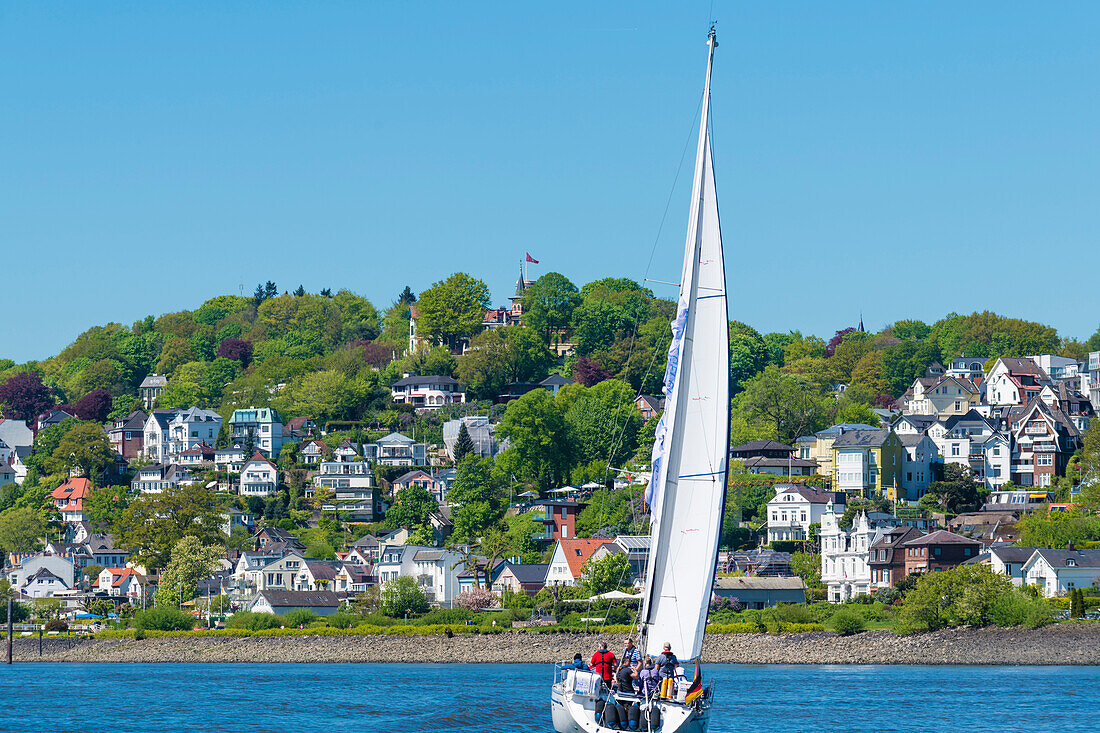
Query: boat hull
x=573 y=713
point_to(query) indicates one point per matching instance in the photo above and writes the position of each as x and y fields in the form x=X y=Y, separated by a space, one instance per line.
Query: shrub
x=139 y=634
x=341 y=620
x=402 y=594
x=163 y=618
x=792 y=613
x=1018 y=608
x=445 y=616
x=299 y=617
x=55 y=625
x=253 y=621
x=846 y=622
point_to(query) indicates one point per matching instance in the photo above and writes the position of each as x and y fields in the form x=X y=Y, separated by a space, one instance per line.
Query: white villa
x=797 y=506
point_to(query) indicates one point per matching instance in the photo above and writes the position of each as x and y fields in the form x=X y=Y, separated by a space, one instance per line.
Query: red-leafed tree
x=95 y=405
x=836 y=340
x=236 y=349
x=588 y=372
x=24 y=397
x=377 y=355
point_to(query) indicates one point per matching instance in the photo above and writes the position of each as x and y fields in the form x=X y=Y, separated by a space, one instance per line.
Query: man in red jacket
x=603 y=663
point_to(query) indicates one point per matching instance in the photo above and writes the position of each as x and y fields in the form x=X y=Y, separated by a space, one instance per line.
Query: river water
x=87 y=698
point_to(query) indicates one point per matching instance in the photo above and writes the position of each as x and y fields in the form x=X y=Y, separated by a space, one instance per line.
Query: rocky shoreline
x=1076 y=644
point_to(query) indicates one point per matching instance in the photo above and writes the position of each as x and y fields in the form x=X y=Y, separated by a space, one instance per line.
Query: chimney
x=1069 y=546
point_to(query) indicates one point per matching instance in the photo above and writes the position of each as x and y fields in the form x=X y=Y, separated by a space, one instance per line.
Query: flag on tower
x=530 y=258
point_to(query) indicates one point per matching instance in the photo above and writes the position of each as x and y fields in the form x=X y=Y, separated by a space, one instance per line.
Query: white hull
x=577 y=714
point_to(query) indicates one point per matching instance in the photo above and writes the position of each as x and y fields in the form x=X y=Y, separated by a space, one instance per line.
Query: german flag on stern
x=696 y=688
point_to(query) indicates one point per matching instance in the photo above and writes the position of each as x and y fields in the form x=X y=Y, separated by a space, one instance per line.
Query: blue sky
x=903 y=159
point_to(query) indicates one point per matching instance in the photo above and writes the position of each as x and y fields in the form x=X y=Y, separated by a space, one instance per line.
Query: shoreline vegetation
x=1057 y=644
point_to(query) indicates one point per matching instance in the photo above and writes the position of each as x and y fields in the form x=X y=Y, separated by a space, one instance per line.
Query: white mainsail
x=690 y=453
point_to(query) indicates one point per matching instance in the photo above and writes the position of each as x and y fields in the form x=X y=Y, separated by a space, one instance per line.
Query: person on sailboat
x=603 y=663
x=578 y=662
x=631 y=656
x=649 y=678
x=667 y=664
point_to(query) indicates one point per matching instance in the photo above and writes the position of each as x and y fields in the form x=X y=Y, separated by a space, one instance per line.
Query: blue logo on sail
x=679 y=323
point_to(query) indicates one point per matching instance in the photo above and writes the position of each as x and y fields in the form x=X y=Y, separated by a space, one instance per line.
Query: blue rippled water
x=87 y=698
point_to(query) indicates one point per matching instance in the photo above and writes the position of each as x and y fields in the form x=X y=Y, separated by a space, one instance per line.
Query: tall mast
x=691 y=446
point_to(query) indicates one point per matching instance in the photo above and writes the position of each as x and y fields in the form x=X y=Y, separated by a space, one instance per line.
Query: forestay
x=690 y=452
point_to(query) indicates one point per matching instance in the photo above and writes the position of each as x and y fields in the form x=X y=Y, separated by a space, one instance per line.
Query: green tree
x=176 y=352
x=548 y=305
x=749 y=354
x=153 y=523
x=962 y=596
x=91 y=572
x=1057 y=529
x=184 y=388
x=858 y=413
x=477 y=498
x=539 y=451
x=807 y=565
x=358 y=316
x=602 y=422
x=452 y=309
x=464 y=444
x=107 y=504
x=84 y=446
x=400 y=595
x=191 y=561
x=411 y=508
x=502 y=355
x=910 y=330
x=606 y=573
x=957 y=492
x=22 y=529
x=789 y=404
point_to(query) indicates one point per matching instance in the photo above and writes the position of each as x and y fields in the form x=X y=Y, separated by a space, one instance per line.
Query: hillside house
x=259 y=477
x=260 y=425
x=427 y=392
x=127 y=435
x=568 y=560
x=795 y=507
x=69 y=498
x=938 y=550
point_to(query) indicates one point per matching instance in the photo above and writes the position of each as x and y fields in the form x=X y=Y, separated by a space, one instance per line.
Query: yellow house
x=819 y=446
x=868 y=462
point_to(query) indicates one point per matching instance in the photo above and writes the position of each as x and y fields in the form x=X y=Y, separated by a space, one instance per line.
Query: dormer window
x=1071 y=563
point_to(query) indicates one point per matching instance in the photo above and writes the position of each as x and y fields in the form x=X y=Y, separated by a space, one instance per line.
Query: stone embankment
x=1056 y=644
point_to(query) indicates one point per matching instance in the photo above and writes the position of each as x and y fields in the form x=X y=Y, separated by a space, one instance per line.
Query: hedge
x=440 y=629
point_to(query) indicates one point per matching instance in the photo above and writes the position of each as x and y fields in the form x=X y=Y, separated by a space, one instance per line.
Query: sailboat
x=687 y=487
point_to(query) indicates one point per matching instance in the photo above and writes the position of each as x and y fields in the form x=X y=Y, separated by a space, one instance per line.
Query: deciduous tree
x=453 y=309
x=548 y=305
x=22 y=529
x=24 y=397
x=191 y=561
x=153 y=523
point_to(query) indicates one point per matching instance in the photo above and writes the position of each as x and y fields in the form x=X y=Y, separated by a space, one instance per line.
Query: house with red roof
x=314 y=451
x=259 y=477
x=119 y=582
x=69 y=498
x=939 y=550
x=1014 y=381
x=569 y=558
